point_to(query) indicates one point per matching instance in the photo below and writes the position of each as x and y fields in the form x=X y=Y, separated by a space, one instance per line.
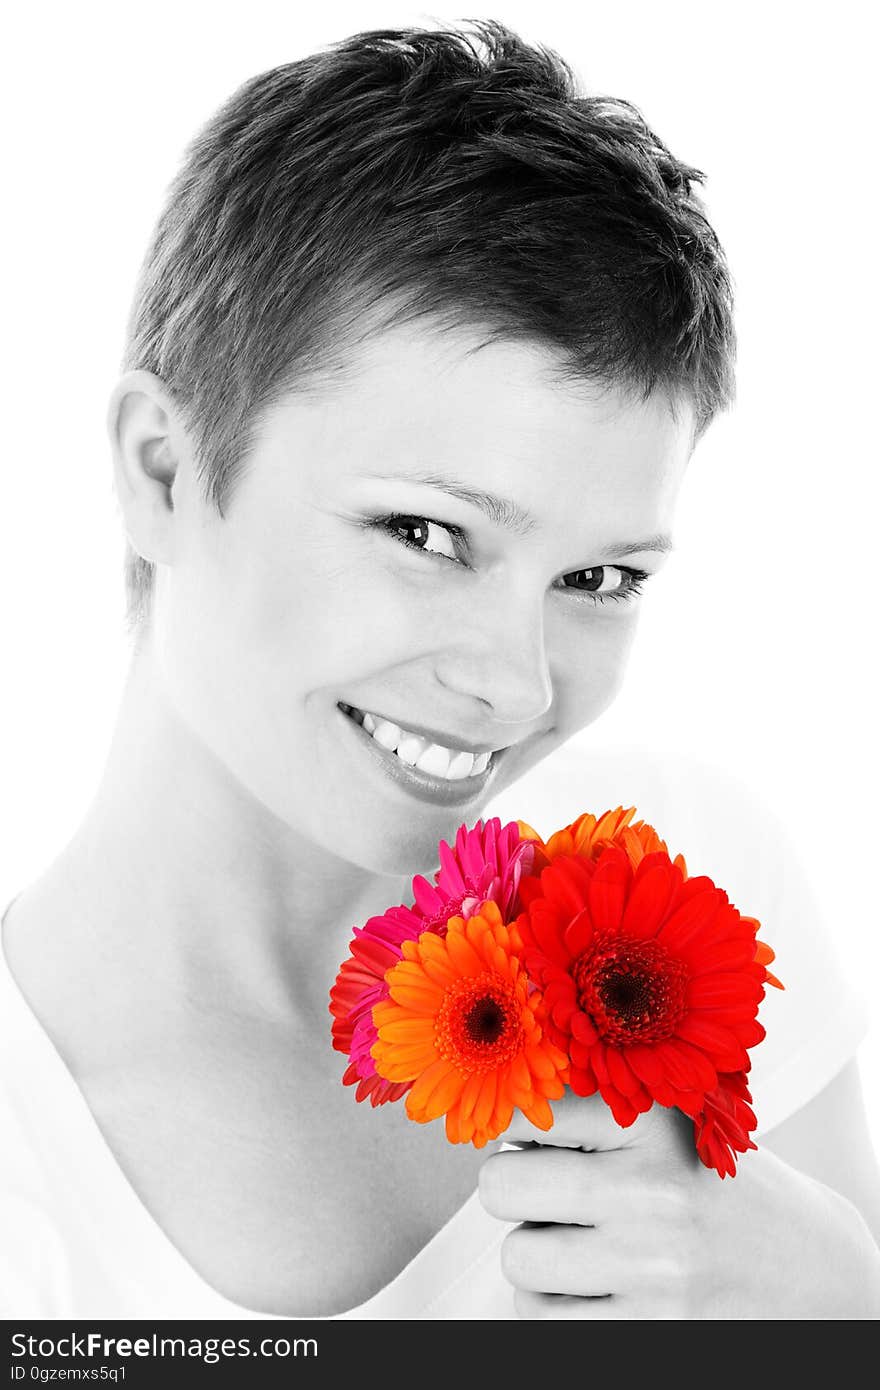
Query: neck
x=181 y=874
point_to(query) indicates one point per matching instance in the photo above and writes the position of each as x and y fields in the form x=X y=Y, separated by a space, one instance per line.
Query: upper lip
x=434 y=735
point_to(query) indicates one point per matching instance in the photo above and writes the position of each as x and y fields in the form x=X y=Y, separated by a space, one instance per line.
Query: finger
x=541 y=1183
x=561 y=1307
x=614 y=1308
x=581 y=1261
x=587 y=1122
x=580 y=1122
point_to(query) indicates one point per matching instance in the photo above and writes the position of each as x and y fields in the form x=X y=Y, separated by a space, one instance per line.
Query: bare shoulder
x=39 y=947
x=829 y=1139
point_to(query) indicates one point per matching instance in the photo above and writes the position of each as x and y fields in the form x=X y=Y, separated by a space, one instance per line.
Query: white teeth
x=460 y=766
x=386 y=734
x=435 y=760
x=448 y=763
x=410 y=749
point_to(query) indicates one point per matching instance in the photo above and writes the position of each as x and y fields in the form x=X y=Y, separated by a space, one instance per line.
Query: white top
x=76 y=1241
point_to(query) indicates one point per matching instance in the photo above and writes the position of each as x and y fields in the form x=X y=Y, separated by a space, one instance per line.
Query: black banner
x=130 y=1354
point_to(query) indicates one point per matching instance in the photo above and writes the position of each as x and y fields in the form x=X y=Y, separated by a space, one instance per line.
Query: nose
x=499 y=657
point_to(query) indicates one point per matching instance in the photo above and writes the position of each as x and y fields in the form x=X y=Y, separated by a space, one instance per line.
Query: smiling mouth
x=436 y=760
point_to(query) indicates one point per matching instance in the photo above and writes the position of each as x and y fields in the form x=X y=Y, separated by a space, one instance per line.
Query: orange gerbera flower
x=461 y=1025
x=589 y=835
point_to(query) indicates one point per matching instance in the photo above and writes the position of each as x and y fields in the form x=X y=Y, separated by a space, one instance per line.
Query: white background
x=758 y=646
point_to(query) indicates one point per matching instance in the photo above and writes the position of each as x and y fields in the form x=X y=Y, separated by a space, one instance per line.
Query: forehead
x=421 y=368
x=414 y=401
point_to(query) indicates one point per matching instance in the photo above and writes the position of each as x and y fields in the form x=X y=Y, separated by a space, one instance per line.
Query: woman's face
x=449 y=545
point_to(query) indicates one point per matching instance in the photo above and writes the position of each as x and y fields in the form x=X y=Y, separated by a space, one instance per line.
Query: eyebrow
x=511 y=517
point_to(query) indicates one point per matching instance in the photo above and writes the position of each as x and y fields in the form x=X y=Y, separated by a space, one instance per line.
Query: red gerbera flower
x=650 y=981
x=589 y=835
x=486 y=864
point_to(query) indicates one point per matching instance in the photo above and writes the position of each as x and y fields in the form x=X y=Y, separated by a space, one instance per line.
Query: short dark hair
x=402 y=174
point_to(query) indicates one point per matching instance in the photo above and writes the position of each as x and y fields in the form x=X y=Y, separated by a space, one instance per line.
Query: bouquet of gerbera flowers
x=591 y=960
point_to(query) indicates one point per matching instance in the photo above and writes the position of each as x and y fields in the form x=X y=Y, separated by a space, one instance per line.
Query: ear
x=147 y=440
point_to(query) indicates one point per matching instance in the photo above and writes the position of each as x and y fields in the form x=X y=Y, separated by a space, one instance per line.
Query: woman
x=421 y=349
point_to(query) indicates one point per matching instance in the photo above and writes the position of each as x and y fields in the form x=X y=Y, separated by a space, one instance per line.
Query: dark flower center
x=629 y=996
x=478 y=1025
x=484 y=1020
x=634 y=991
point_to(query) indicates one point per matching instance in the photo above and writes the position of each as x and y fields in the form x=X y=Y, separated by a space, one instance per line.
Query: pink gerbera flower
x=486 y=864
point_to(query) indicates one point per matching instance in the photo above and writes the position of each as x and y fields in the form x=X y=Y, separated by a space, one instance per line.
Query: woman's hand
x=629 y=1224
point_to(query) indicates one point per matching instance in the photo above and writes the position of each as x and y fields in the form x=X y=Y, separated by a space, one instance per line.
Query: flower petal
x=578 y=934
x=485 y=1102
x=623 y=1110
x=449 y=873
x=721 y=1044
x=620 y=1072
x=440 y=1093
x=462 y=954
x=653 y=886
x=564 y=884
x=694 y=915
x=608 y=889
x=722 y=989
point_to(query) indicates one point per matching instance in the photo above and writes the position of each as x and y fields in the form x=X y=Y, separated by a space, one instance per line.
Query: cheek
x=312 y=615
x=590 y=666
x=262 y=646
x=587 y=663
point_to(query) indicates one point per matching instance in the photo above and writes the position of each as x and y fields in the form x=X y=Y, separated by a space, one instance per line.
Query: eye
x=420 y=533
x=603 y=582
x=596 y=585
